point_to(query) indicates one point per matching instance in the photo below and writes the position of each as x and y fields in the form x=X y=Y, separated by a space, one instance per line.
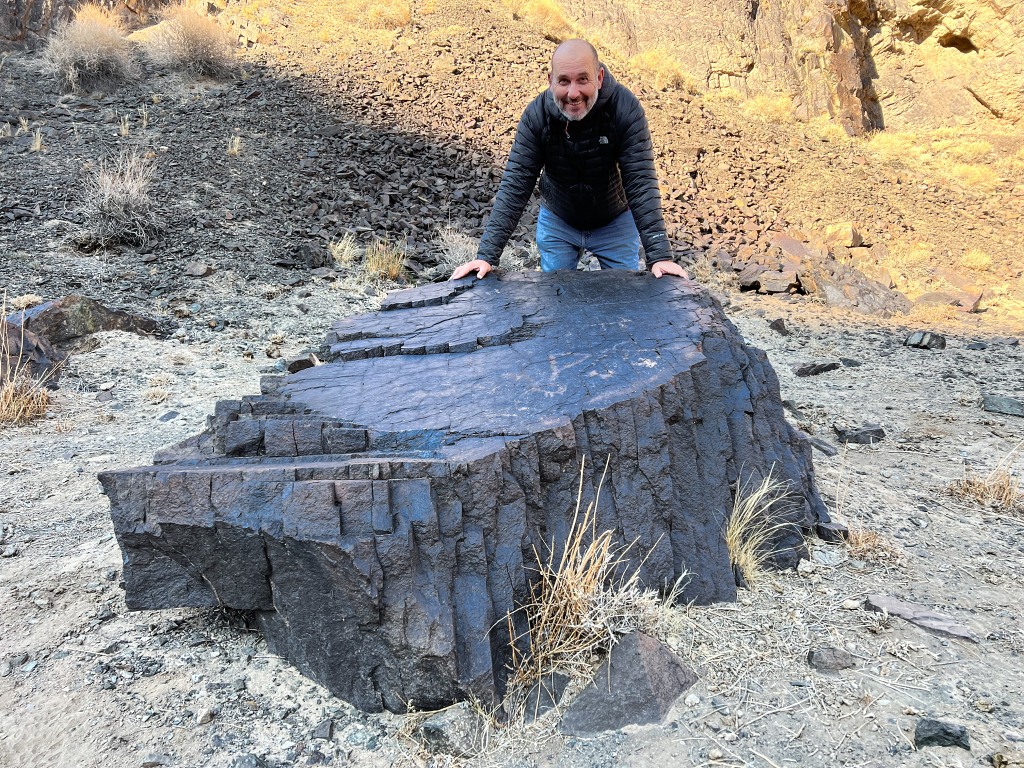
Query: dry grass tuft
x=705 y=273
x=235 y=146
x=345 y=251
x=155 y=395
x=664 y=70
x=580 y=602
x=384 y=260
x=770 y=109
x=976 y=261
x=546 y=15
x=388 y=14
x=23 y=398
x=193 y=43
x=118 y=205
x=865 y=544
x=750 y=530
x=25 y=301
x=999 y=488
x=91 y=51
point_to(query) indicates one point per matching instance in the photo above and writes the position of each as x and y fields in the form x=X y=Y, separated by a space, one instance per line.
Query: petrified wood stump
x=379 y=513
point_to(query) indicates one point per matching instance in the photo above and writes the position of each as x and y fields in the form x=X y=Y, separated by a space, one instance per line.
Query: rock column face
x=381 y=512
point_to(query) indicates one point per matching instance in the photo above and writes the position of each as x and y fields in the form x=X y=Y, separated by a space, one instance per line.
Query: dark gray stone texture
x=380 y=512
x=940 y=733
x=637 y=685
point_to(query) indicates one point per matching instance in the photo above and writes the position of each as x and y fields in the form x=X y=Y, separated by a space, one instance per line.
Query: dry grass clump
x=580 y=602
x=770 y=109
x=384 y=260
x=976 y=261
x=118 y=206
x=546 y=15
x=25 y=301
x=344 y=251
x=664 y=70
x=193 y=43
x=750 y=530
x=706 y=273
x=999 y=488
x=91 y=50
x=388 y=14
x=865 y=544
x=23 y=398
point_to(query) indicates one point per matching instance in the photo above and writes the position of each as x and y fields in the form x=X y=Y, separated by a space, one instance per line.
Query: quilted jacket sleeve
x=517 y=183
x=640 y=179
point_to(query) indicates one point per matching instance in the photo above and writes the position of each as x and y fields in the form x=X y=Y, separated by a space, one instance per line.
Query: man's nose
x=574 y=91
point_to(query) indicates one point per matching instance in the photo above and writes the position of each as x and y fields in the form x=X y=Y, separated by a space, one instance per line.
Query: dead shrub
x=117 y=205
x=999 y=488
x=344 y=251
x=580 y=602
x=91 y=51
x=193 y=43
x=750 y=530
x=865 y=544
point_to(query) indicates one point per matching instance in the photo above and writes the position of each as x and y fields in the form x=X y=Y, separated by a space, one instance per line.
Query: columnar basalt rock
x=380 y=513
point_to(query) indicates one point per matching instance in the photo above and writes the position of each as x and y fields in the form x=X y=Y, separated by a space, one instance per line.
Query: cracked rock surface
x=380 y=512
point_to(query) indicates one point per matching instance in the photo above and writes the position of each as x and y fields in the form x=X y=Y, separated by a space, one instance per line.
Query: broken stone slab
x=66 y=322
x=843 y=286
x=940 y=733
x=1008 y=406
x=27 y=354
x=917 y=614
x=779 y=326
x=925 y=340
x=778 y=282
x=816 y=368
x=544 y=696
x=843 y=234
x=381 y=526
x=636 y=685
x=868 y=434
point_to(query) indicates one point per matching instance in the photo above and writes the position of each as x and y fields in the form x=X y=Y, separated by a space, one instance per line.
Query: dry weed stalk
x=91 y=51
x=192 y=42
x=750 y=530
x=580 y=602
x=118 y=204
x=235 y=146
x=37 y=140
x=999 y=488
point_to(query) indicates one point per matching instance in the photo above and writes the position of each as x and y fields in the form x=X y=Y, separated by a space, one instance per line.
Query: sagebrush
x=118 y=205
x=192 y=42
x=91 y=51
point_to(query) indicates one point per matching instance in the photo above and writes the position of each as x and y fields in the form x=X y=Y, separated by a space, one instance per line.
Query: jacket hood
x=608 y=87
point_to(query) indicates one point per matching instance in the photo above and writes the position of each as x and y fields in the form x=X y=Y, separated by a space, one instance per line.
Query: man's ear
x=600 y=77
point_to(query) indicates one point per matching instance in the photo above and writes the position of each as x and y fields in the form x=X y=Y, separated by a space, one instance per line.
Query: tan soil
x=84 y=682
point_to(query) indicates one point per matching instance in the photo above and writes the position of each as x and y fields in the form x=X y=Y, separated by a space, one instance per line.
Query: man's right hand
x=479 y=266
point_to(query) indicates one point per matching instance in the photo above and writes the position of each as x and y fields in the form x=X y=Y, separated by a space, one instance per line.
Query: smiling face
x=575 y=78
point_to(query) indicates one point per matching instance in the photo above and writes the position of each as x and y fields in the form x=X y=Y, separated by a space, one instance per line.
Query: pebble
x=205 y=715
x=692 y=700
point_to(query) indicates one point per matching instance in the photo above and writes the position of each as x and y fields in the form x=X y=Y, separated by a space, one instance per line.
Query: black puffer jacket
x=593 y=170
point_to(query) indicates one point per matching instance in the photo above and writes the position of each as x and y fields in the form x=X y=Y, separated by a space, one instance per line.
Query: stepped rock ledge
x=379 y=514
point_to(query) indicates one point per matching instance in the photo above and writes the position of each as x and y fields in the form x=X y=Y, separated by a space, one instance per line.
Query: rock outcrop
x=381 y=513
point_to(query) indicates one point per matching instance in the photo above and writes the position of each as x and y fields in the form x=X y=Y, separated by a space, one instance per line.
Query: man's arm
x=640 y=181
x=517 y=183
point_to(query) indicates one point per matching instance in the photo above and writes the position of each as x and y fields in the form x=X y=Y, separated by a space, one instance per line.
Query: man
x=599 y=189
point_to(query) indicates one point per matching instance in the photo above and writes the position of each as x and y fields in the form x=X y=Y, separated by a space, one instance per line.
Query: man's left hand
x=660 y=268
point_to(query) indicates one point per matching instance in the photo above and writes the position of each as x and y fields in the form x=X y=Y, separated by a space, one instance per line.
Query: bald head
x=575 y=50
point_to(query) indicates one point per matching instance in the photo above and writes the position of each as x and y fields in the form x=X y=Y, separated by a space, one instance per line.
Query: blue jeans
x=616 y=245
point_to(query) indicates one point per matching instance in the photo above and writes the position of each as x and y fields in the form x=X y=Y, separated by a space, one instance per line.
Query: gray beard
x=572 y=118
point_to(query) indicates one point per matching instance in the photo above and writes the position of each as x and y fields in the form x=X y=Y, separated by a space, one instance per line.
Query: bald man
x=586 y=138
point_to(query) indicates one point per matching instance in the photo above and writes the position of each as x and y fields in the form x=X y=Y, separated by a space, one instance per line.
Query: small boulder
x=925 y=340
x=843 y=233
x=638 y=684
x=815 y=368
x=940 y=733
x=455 y=731
x=67 y=321
x=1007 y=406
x=779 y=326
x=829 y=659
x=867 y=434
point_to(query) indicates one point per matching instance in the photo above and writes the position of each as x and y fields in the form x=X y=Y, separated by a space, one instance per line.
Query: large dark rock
x=66 y=322
x=381 y=512
x=23 y=353
x=636 y=685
